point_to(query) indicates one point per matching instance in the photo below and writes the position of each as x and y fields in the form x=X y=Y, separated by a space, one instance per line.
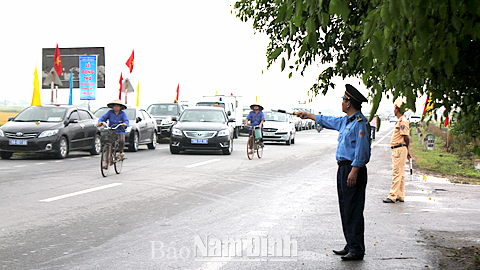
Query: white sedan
x=278 y=127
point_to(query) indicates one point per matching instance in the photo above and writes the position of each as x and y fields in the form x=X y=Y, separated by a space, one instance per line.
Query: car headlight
x=1 y=133
x=129 y=128
x=176 y=132
x=224 y=132
x=48 y=133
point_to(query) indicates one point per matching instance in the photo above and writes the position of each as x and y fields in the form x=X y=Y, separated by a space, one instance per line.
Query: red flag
x=57 y=61
x=425 y=107
x=178 y=91
x=121 y=86
x=129 y=62
x=447 y=120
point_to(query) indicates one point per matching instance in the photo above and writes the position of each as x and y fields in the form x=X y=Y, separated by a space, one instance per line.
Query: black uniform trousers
x=352 y=203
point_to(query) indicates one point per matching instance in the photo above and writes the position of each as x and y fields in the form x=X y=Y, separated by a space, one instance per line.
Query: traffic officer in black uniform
x=353 y=153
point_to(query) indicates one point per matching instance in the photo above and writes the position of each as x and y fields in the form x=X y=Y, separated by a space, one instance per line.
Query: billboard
x=88 y=77
x=70 y=63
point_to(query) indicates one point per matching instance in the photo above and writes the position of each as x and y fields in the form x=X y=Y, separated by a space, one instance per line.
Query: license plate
x=17 y=142
x=199 y=141
x=269 y=134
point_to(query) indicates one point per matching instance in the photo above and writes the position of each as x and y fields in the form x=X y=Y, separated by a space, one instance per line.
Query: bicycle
x=110 y=155
x=254 y=143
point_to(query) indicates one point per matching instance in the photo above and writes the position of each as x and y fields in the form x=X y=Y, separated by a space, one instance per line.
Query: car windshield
x=202 y=116
x=211 y=104
x=41 y=114
x=163 y=109
x=130 y=113
x=275 y=117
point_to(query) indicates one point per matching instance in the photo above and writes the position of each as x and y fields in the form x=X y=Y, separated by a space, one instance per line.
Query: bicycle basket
x=109 y=136
x=258 y=133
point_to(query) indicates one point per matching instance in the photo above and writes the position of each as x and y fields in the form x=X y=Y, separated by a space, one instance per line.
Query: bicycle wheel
x=259 y=150
x=250 y=148
x=104 y=160
x=118 y=161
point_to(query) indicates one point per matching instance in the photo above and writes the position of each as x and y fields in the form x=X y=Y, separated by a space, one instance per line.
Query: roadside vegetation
x=453 y=158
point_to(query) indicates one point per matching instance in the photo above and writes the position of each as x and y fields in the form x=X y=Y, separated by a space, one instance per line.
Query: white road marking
x=80 y=192
x=58 y=161
x=201 y=163
x=41 y=163
x=19 y=166
x=379 y=141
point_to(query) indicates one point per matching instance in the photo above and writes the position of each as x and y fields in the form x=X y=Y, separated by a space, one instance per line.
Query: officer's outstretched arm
x=305 y=115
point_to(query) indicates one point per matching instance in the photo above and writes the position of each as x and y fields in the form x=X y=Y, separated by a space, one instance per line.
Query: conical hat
x=117 y=102
x=254 y=104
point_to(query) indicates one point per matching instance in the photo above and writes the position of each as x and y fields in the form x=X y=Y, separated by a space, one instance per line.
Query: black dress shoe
x=388 y=200
x=340 y=252
x=352 y=257
x=398 y=200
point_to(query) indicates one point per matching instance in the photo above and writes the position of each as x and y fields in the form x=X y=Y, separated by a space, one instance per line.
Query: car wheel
x=153 y=144
x=62 y=151
x=6 y=155
x=97 y=145
x=292 y=141
x=174 y=150
x=288 y=141
x=133 y=146
x=229 y=150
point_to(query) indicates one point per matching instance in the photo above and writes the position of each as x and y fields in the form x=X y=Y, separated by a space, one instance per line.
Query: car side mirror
x=70 y=121
x=231 y=119
x=10 y=119
x=174 y=118
x=138 y=119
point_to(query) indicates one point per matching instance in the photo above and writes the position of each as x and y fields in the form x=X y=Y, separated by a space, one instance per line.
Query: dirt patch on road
x=460 y=250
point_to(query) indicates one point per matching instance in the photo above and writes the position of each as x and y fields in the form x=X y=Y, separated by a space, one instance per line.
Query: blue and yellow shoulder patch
x=359 y=118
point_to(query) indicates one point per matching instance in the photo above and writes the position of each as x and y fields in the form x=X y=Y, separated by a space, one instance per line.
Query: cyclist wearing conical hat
x=256 y=119
x=116 y=116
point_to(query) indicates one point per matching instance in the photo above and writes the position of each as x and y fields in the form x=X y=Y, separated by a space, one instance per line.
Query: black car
x=141 y=130
x=56 y=129
x=163 y=114
x=202 y=128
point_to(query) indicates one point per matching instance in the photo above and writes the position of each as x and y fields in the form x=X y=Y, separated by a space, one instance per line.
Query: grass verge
x=439 y=161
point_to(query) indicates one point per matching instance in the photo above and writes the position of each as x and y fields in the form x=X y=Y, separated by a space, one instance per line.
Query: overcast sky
x=197 y=44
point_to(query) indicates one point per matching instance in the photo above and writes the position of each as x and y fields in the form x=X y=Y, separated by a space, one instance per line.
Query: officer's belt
x=397 y=146
x=344 y=162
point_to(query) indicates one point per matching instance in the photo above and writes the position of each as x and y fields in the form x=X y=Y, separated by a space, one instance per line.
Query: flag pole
x=52 y=86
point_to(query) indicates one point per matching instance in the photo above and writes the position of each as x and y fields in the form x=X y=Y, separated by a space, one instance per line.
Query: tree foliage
x=404 y=48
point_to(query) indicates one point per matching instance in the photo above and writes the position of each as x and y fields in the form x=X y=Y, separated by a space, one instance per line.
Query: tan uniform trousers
x=399 y=158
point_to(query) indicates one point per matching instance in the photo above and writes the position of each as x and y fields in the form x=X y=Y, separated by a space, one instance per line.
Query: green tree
x=404 y=48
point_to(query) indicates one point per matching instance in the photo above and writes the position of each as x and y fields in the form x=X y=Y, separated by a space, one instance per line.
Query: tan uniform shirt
x=401 y=128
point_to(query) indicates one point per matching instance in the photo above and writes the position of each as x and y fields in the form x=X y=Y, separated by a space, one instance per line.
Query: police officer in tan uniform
x=400 y=145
